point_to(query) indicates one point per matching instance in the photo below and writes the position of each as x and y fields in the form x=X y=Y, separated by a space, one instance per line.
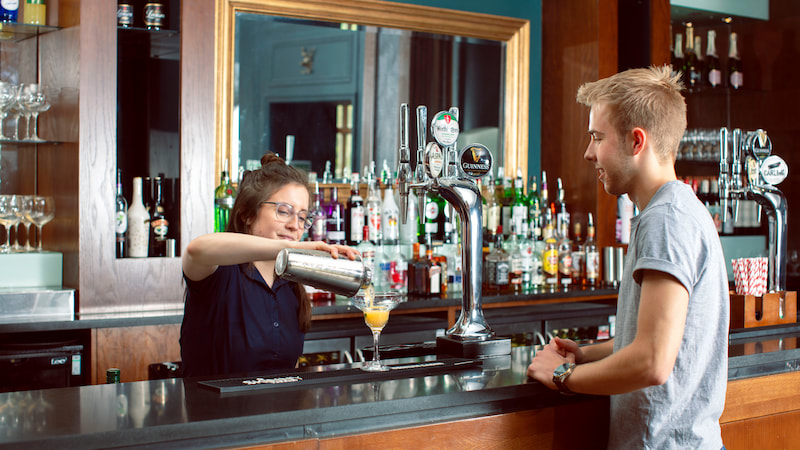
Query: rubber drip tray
x=301 y=380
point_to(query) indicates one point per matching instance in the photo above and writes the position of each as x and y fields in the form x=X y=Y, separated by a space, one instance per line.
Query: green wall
x=523 y=9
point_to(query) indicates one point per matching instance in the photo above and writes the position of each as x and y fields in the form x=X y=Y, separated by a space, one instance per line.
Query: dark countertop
x=181 y=413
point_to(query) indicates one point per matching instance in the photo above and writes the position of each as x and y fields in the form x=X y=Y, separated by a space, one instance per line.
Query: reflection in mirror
x=338 y=88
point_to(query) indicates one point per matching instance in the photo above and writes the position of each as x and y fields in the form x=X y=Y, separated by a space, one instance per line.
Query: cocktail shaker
x=316 y=268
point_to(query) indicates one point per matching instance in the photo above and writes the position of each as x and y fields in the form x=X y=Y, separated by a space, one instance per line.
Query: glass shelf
x=164 y=44
x=26 y=142
x=16 y=32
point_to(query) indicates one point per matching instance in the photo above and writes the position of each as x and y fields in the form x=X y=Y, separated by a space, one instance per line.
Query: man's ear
x=638 y=141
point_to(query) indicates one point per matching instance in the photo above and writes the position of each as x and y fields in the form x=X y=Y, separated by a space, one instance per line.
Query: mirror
x=334 y=75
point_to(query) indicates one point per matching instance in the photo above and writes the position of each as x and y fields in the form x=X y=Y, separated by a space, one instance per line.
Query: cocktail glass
x=376 y=309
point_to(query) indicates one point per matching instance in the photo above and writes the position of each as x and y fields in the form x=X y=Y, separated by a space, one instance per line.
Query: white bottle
x=138 y=223
x=390 y=216
x=408 y=230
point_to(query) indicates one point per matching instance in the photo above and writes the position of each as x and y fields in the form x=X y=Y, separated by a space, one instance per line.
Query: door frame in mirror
x=514 y=32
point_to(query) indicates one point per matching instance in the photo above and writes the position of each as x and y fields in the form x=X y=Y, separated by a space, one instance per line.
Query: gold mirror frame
x=513 y=31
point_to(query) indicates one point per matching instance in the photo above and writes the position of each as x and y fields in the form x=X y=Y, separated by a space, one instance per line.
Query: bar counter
x=473 y=406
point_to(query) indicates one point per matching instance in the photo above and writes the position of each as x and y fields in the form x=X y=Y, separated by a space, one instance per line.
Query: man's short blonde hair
x=649 y=98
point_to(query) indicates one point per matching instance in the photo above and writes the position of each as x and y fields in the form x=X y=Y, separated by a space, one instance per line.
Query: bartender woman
x=238 y=316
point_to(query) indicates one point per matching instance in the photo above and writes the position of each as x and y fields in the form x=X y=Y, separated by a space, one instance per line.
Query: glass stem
x=39 y=246
x=35 y=134
x=28 y=237
x=375 y=358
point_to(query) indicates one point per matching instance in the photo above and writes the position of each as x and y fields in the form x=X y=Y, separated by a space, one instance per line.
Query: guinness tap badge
x=475 y=160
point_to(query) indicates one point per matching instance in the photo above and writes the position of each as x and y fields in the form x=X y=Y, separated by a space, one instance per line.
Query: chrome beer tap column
x=751 y=156
x=471 y=335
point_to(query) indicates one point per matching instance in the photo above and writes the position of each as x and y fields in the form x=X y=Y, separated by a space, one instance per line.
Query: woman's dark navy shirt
x=233 y=322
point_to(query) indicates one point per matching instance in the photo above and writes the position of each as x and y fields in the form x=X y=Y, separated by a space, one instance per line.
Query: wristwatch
x=560 y=376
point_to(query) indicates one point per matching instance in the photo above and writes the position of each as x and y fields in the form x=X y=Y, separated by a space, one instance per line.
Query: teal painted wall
x=523 y=9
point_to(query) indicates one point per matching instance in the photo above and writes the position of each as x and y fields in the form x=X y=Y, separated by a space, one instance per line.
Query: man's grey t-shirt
x=675 y=234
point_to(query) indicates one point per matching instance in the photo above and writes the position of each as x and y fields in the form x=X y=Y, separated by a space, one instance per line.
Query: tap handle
x=422 y=120
x=452 y=165
x=404 y=175
x=737 y=150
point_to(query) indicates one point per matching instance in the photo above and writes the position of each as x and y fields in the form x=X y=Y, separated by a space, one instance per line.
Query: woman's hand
x=334 y=250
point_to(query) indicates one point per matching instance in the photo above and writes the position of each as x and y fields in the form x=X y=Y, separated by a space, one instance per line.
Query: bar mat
x=301 y=380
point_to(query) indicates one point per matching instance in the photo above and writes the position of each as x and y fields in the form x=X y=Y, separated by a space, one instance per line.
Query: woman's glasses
x=285 y=212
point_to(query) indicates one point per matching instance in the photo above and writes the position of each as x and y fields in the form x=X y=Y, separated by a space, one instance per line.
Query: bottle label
x=592 y=265
x=356 y=223
x=121 y=222
x=431 y=211
x=435 y=279
x=224 y=202
x=550 y=261
x=11 y=5
x=714 y=77
x=391 y=230
x=501 y=273
x=519 y=214
x=374 y=214
x=538 y=273
x=154 y=14
x=493 y=218
x=124 y=15
x=736 y=80
x=335 y=236
x=160 y=227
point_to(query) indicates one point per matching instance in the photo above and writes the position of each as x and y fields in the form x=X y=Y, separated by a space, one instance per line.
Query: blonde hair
x=649 y=98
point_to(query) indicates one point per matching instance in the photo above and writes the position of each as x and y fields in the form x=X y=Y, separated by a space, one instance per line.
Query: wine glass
x=42 y=211
x=35 y=99
x=19 y=111
x=376 y=307
x=8 y=97
x=8 y=218
x=26 y=206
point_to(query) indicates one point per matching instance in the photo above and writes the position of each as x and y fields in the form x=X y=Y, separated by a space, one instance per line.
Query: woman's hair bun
x=271 y=158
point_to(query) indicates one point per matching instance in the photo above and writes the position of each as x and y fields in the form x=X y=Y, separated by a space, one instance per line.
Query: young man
x=666 y=370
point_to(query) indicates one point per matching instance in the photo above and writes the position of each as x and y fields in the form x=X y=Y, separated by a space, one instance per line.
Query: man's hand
x=546 y=361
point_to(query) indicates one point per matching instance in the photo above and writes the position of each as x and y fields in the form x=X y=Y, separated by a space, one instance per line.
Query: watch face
x=563 y=369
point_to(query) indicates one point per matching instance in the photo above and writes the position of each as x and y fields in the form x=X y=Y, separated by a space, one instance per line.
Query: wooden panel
x=132 y=350
x=762 y=396
x=551 y=428
x=779 y=431
x=107 y=284
x=579 y=44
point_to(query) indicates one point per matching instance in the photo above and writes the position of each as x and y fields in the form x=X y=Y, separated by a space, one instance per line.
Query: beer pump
x=748 y=171
x=471 y=336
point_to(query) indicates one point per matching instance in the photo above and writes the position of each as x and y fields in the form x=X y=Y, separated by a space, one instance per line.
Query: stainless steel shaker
x=318 y=269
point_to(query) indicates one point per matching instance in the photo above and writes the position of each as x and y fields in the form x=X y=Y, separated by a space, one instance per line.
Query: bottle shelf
x=15 y=32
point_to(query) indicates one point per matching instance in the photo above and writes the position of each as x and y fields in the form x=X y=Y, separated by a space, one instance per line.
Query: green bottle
x=224 y=196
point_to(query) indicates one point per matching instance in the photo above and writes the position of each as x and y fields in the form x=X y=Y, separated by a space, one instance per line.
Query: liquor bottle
x=409 y=230
x=544 y=196
x=452 y=252
x=564 y=256
x=35 y=12
x=154 y=16
x=591 y=256
x=224 y=197
x=691 y=71
x=9 y=10
x=519 y=207
x=678 y=60
x=355 y=213
x=320 y=223
x=432 y=222
x=138 y=223
x=497 y=267
x=550 y=257
x=507 y=202
x=526 y=254
x=578 y=262
x=373 y=210
x=493 y=216
x=414 y=271
x=562 y=216
x=390 y=217
x=735 y=77
x=514 y=262
x=334 y=212
x=534 y=210
x=713 y=73
x=397 y=273
x=380 y=274
x=440 y=258
x=367 y=250
x=120 y=217
x=537 y=271
x=158 y=221
x=431 y=279
x=701 y=63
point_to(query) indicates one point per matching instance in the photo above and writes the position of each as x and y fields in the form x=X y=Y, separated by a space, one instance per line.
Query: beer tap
x=762 y=171
x=404 y=174
x=471 y=334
